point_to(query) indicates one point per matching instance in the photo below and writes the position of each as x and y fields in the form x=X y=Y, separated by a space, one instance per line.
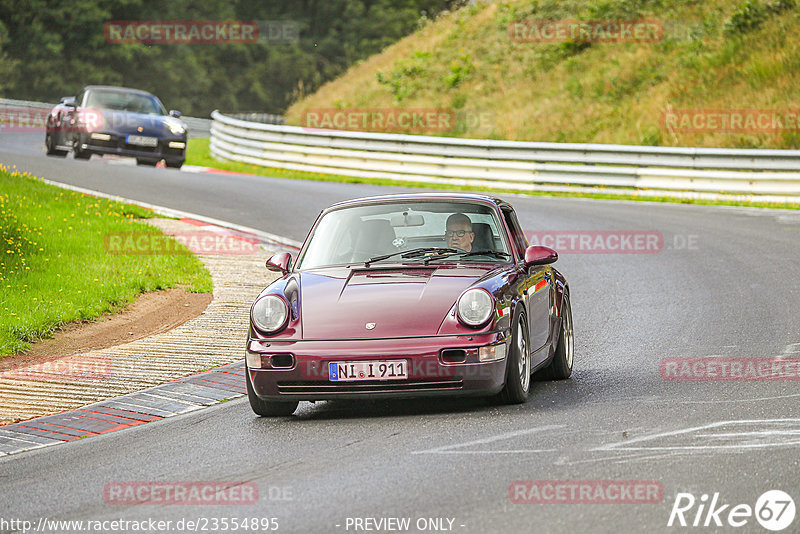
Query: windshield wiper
x=495 y=253
x=410 y=253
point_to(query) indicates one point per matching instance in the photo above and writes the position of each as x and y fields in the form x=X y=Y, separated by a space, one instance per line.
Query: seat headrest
x=484 y=239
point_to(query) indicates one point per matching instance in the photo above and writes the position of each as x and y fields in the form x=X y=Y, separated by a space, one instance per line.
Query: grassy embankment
x=715 y=54
x=54 y=265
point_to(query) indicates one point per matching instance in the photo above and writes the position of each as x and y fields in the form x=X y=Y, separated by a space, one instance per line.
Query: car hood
x=339 y=303
x=128 y=123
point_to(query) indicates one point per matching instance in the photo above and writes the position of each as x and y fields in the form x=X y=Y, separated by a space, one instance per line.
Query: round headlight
x=270 y=313
x=475 y=307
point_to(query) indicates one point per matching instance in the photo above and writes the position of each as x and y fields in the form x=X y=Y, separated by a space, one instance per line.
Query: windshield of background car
x=122 y=101
x=356 y=234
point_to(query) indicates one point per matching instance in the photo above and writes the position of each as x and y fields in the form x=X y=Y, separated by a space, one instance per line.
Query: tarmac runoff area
x=154 y=377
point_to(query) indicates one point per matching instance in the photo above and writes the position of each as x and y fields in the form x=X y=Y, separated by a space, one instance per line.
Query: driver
x=459 y=234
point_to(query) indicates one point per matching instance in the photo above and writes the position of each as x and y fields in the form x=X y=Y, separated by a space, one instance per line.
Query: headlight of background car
x=475 y=307
x=176 y=127
x=269 y=314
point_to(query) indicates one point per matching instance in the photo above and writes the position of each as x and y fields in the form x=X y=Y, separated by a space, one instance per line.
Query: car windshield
x=406 y=232
x=124 y=101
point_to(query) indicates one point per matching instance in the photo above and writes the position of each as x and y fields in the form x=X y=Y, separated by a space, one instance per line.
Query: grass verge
x=54 y=267
x=198 y=153
x=712 y=56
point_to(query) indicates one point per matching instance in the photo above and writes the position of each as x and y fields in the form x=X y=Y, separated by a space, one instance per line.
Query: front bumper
x=116 y=145
x=299 y=370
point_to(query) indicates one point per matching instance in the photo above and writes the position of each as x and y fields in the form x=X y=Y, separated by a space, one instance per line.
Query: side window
x=520 y=242
x=79 y=98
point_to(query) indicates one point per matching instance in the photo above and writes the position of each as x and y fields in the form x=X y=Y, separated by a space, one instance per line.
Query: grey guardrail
x=507 y=164
x=266 y=118
x=197 y=127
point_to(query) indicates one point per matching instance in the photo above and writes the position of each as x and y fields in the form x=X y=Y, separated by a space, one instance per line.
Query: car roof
x=117 y=89
x=410 y=197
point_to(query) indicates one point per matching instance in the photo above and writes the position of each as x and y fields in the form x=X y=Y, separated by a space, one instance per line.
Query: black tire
x=148 y=162
x=268 y=408
x=50 y=145
x=561 y=366
x=175 y=164
x=78 y=153
x=518 y=367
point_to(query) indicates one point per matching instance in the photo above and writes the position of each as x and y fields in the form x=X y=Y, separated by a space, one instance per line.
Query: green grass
x=54 y=268
x=198 y=153
x=715 y=54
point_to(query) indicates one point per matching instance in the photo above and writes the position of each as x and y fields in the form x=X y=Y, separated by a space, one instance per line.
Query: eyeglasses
x=458 y=233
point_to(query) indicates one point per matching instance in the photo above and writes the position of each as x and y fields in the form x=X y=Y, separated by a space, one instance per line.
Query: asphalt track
x=724 y=284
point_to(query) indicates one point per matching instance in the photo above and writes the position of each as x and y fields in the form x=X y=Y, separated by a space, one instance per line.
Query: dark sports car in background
x=409 y=295
x=119 y=121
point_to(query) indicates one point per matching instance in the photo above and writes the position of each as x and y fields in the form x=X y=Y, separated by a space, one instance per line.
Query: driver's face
x=463 y=241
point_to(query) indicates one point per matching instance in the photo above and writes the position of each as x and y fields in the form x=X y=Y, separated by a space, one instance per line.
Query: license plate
x=141 y=140
x=368 y=370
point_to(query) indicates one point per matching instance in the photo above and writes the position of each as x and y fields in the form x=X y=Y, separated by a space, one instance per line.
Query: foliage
x=752 y=14
x=711 y=55
x=460 y=69
x=407 y=75
x=50 y=49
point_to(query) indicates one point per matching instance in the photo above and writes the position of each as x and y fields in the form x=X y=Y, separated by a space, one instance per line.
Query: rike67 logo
x=774 y=510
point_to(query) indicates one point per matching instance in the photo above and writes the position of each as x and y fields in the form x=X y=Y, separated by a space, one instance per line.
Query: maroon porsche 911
x=409 y=295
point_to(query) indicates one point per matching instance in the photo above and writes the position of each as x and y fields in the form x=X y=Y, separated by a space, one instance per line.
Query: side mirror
x=175 y=113
x=282 y=261
x=538 y=255
x=69 y=101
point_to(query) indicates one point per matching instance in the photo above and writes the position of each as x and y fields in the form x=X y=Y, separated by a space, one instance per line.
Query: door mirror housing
x=539 y=255
x=69 y=101
x=175 y=113
x=282 y=262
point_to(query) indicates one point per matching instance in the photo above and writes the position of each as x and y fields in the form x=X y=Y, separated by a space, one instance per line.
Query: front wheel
x=78 y=153
x=561 y=366
x=518 y=367
x=50 y=145
x=268 y=408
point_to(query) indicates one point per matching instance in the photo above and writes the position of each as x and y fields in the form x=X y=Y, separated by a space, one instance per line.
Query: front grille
x=367 y=387
x=99 y=142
